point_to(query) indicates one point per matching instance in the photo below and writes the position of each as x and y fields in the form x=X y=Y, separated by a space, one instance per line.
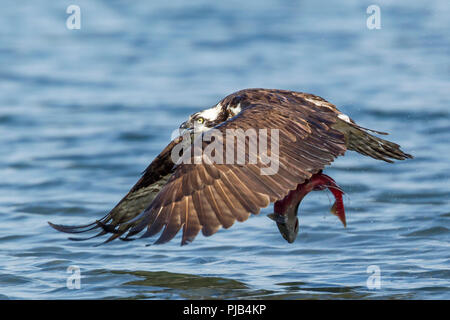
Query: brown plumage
x=204 y=197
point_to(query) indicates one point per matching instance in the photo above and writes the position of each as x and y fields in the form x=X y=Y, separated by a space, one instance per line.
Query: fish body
x=285 y=210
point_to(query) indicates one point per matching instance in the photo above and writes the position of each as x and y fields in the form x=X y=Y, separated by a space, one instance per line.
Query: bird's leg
x=285 y=210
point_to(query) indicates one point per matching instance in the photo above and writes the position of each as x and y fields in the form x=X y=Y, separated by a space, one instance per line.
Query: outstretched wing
x=209 y=196
x=134 y=202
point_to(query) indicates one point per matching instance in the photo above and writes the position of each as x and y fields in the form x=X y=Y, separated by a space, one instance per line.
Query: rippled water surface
x=82 y=112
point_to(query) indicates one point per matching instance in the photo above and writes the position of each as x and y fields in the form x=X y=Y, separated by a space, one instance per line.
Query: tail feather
x=360 y=140
x=367 y=144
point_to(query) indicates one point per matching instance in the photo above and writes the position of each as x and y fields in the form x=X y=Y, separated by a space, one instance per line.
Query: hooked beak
x=184 y=128
x=184 y=125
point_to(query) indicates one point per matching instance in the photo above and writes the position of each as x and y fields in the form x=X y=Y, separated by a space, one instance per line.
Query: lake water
x=82 y=113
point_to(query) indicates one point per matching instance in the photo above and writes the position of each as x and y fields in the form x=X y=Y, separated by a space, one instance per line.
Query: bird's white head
x=209 y=118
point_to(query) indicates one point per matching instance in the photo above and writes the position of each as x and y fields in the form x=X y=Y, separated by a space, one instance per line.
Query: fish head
x=288 y=226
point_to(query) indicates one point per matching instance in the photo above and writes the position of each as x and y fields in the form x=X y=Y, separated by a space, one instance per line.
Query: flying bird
x=199 y=196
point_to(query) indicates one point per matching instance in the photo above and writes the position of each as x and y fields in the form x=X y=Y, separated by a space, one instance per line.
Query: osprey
x=201 y=196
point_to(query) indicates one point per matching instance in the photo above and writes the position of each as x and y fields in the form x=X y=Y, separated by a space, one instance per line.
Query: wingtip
x=58 y=227
x=73 y=229
x=185 y=242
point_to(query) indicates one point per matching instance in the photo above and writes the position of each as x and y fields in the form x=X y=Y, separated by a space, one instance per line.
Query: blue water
x=82 y=113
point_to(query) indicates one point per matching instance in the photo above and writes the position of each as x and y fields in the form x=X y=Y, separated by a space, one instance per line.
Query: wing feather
x=223 y=213
x=192 y=224
x=206 y=216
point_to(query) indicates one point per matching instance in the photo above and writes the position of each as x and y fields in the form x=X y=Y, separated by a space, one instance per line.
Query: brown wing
x=134 y=202
x=206 y=197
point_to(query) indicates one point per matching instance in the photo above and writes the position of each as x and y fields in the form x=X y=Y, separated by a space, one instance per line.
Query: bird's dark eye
x=200 y=120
